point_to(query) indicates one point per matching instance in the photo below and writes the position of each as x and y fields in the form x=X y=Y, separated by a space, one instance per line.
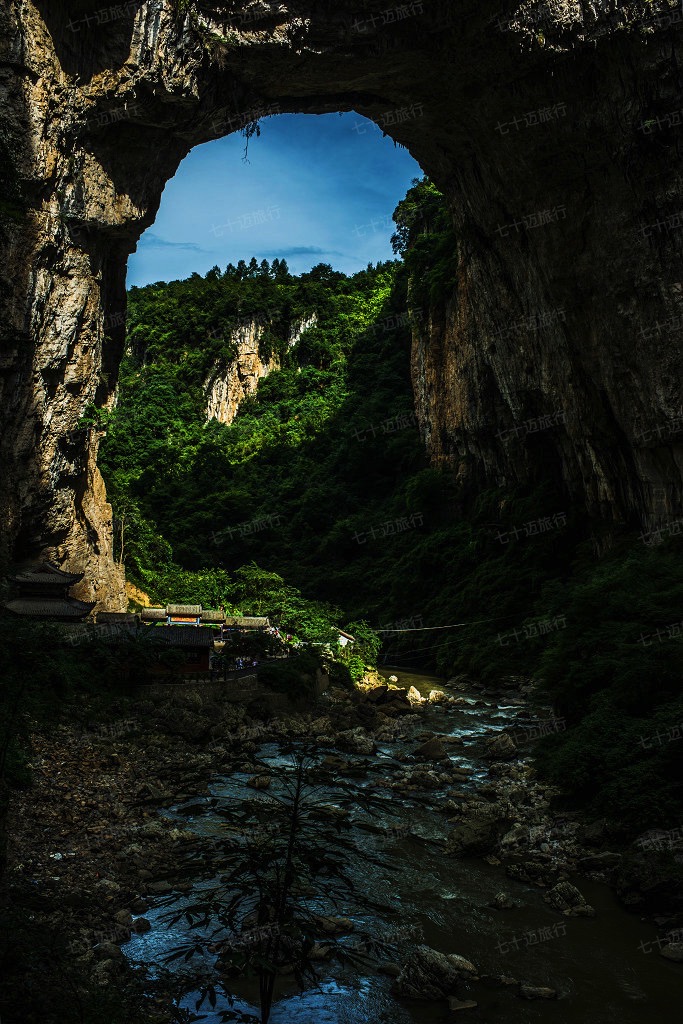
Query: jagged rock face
x=230 y=383
x=551 y=127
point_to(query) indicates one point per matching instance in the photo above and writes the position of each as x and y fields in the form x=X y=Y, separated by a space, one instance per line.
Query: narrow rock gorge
x=552 y=127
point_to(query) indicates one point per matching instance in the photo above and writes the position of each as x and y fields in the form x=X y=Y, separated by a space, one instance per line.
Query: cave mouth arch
x=103 y=107
x=329 y=169
x=309 y=189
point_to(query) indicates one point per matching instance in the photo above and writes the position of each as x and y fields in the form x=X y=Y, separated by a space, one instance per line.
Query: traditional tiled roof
x=49 y=607
x=183 y=609
x=81 y=631
x=183 y=636
x=208 y=615
x=153 y=615
x=48 y=573
x=247 y=622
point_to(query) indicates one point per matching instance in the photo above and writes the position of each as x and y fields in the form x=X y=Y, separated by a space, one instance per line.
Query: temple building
x=42 y=592
x=194 y=647
x=195 y=615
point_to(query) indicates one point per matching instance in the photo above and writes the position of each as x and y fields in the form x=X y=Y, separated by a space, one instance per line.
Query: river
x=599 y=966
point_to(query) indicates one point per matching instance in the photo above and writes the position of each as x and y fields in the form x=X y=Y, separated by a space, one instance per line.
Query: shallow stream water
x=599 y=966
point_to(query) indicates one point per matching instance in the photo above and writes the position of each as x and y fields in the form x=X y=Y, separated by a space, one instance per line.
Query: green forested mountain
x=322 y=482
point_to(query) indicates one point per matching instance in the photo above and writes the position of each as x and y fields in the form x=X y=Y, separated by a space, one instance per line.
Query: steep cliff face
x=230 y=383
x=552 y=127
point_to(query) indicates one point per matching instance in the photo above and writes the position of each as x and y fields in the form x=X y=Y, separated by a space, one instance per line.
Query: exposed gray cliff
x=231 y=382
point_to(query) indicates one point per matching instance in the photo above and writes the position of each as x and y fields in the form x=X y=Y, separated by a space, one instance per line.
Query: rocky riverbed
x=119 y=818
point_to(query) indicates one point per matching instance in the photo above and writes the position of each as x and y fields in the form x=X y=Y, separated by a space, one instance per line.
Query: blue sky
x=316 y=189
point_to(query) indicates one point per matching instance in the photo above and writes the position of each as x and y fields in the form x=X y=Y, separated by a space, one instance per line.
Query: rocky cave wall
x=551 y=126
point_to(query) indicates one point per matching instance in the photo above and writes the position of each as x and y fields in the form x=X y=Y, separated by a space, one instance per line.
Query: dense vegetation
x=322 y=482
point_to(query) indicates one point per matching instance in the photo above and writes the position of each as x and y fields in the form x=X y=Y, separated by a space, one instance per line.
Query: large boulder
x=500 y=748
x=109 y=951
x=673 y=951
x=502 y=901
x=432 y=750
x=429 y=974
x=356 y=741
x=601 y=862
x=566 y=898
x=477 y=830
x=537 y=992
x=456 y=1005
x=259 y=782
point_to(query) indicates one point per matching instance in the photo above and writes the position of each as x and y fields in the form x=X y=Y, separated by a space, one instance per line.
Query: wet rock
x=102 y=974
x=335 y=763
x=566 y=898
x=436 y=696
x=376 y=693
x=500 y=748
x=537 y=992
x=425 y=779
x=320 y=725
x=502 y=901
x=432 y=750
x=109 y=951
x=386 y=967
x=108 y=887
x=162 y=888
x=518 y=835
x=533 y=872
x=429 y=974
x=192 y=809
x=396 y=708
x=320 y=952
x=141 y=925
x=415 y=697
x=599 y=862
x=455 y=1005
x=334 y=925
x=393 y=679
x=356 y=741
x=259 y=781
x=498 y=981
x=477 y=831
x=329 y=812
x=673 y=951
x=398 y=693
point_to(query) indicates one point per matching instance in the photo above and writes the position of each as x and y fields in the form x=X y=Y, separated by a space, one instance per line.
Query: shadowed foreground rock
x=429 y=974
